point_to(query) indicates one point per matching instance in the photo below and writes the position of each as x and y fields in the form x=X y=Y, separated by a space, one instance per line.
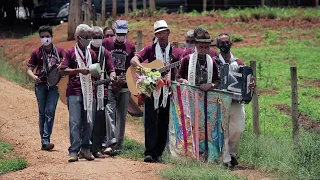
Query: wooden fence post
x=114 y=8
x=262 y=3
x=126 y=7
x=103 y=13
x=139 y=41
x=204 y=5
x=144 y=4
x=294 y=105
x=317 y=3
x=255 y=102
x=134 y=5
x=152 y=4
x=213 y=4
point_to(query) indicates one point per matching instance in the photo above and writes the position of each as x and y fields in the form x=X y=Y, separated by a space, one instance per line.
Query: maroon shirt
x=189 y=51
x=36 y=61
x=108 y=65
x=184 y=68
x=121 y=54
x=148 y=55
x=74 y=85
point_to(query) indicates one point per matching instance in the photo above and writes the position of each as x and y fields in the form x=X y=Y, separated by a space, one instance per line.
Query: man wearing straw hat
x=80 y=95
x=199 y=69
x=156 y=107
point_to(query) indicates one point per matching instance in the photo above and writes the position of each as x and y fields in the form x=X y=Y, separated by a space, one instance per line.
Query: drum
x=54 y=76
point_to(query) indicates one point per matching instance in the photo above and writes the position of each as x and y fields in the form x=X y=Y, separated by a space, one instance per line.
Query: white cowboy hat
x=160 y=25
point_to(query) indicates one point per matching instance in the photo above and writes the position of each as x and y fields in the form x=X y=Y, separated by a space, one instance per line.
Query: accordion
x=237 y=82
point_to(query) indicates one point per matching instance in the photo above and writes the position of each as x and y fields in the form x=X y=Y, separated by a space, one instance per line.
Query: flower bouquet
x=147 y=80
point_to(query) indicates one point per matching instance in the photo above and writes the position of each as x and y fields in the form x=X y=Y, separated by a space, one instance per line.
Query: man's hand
x=252 y=84
x=36 y=79
x=183 y=81
x=206 y=86
x=83 y=71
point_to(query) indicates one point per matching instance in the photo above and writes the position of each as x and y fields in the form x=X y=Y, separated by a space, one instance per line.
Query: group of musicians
x=97 y=114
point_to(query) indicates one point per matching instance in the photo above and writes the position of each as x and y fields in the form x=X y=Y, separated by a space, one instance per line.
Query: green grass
x=7 y=162
x=13 y=72
x=132 y=149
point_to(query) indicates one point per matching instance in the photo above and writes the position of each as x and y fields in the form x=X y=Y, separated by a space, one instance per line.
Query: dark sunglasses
x=45 y=36
x=109 y=35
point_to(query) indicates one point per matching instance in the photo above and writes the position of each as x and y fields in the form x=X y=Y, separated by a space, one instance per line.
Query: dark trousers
x=156 y=124
x=99 y=129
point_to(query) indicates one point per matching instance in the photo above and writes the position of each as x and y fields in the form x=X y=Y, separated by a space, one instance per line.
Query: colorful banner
x=198 y=122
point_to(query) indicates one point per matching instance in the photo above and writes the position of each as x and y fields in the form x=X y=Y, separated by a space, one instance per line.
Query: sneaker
x=148 y=159
x=234 y=161
x=98 y=155
x=87 y=155
x=73 y=158
x=47 y=147
x=107 y=151
x=158 y=159
x=228 y=165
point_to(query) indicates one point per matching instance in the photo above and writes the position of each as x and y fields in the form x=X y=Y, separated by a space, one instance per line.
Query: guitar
x=158 y=65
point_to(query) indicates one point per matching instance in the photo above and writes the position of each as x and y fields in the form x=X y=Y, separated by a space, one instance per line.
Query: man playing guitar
x=156 y=115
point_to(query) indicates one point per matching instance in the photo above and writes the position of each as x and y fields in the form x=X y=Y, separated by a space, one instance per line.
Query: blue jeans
x=80 y=128
x=47 y=102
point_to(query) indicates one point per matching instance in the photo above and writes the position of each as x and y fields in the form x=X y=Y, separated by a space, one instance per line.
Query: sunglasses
x=87 y=38
x=45 y=36
x=109 y=35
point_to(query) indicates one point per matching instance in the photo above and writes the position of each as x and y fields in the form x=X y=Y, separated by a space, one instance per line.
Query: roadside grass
x=9 y=162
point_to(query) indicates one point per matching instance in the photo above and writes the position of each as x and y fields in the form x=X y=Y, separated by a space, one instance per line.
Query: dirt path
x=18 y=110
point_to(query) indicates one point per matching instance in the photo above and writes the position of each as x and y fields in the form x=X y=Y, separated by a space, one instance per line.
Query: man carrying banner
x=237 y=112
x=199 y=68
x=156 y=107
x=80 y=96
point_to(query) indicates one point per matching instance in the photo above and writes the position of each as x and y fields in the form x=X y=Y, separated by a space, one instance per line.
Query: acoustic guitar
x=158 y=65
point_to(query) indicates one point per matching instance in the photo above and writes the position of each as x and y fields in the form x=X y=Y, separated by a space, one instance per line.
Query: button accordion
x=237 y=82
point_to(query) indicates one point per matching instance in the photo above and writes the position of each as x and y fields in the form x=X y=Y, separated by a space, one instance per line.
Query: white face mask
x=46 y=41
x=120 y=39
x=96 y=42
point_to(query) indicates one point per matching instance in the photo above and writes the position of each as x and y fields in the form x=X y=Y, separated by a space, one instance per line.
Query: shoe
x=87 y=155
x=158 y=159
x=99 y=155
x=73 y=158
x=228 y=165
x=148 y=159
x=47 y=147
x=234 y=161
x=107 y=151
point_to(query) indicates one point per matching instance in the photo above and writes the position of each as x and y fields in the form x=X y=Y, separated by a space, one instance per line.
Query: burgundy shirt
x=36 y=60
x=189 y=51
x=74 y=85
x=108 y=65
x=121 y=54
x=201 y=74
x=148 y=55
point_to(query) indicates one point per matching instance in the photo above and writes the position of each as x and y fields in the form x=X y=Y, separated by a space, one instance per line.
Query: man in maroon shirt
x=199 y=69
x=105 y=60
x=156 y=119
x=43 y=58
x=80 y=95
x=237 y=111
x=122 y=51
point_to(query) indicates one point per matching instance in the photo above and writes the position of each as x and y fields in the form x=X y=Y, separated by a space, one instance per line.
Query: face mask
x=188 y=45
x=121 y=39
x=84 y=42
x=96 y=42
x=225 y=48
x=46 y=41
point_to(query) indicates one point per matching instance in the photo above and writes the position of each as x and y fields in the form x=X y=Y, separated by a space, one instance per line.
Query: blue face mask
x=187 y=45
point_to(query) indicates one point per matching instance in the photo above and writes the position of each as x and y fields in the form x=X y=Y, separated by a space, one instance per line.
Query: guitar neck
x=170 y=66
x=103 y=81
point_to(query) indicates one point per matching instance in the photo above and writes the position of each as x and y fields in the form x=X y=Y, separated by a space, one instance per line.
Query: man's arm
x=30 y=73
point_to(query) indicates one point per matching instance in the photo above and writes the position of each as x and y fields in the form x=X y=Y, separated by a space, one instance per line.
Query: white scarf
x=100 y=88
x=192 y=68
x=166 y=60
x=85 y=80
